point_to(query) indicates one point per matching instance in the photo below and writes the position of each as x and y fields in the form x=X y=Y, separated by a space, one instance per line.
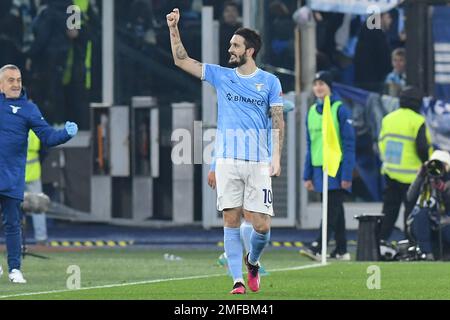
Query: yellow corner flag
x=331 y=147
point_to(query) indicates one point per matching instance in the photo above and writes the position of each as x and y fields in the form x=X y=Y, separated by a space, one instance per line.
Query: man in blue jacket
x=17 y=117
x=313 y=174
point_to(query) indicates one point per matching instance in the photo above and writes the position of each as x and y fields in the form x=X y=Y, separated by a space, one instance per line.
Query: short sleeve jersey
x=243 y=118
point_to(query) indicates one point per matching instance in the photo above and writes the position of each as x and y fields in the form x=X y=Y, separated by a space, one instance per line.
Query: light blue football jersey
x=243 y=118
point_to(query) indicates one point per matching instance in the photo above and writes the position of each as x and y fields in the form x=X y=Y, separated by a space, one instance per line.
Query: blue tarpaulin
x=361 y=7
x=441 y=38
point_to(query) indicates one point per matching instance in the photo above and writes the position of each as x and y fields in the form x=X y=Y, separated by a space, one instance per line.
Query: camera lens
x=435 y=168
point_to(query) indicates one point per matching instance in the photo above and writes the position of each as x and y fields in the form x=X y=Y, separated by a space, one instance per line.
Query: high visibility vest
x=315 y=132
x=397 y=144
x=83 y=4
x=84 y=7
x=33 y=167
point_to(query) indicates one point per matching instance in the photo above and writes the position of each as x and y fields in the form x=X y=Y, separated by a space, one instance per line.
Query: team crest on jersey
x=259 y=86
x=14 y=108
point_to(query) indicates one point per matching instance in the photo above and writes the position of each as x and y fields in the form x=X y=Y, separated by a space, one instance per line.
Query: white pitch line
x=150 y=281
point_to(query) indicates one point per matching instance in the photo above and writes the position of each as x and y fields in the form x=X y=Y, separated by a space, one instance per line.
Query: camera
x=435 y=169
x=35 y=202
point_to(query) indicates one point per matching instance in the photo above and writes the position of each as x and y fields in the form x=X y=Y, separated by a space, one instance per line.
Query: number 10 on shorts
x=267 y=196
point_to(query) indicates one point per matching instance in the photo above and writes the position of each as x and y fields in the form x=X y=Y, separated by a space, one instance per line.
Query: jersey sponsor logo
x=15 y=109
x=237 y=98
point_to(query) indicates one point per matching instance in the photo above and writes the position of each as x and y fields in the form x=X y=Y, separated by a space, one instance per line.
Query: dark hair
x=278 y=9
x=411 y=97
x=231 y=4
x=252 y=39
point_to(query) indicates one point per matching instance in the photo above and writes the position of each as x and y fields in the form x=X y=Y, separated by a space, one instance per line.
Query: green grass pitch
x=138 y=274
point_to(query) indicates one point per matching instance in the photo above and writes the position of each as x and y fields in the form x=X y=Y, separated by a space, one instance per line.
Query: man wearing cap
x=431 y=190
x=404 y=143
x=338 y=186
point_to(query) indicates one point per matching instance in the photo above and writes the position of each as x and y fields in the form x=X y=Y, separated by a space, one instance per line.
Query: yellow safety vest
x=33 y=167
x=84 y=6
x=397 y=144
x=315 y=132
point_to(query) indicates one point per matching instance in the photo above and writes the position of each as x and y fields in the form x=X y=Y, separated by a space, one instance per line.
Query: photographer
x=429 y=222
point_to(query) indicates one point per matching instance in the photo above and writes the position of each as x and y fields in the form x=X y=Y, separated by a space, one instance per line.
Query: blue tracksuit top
x=347 y=133
x=17 y=117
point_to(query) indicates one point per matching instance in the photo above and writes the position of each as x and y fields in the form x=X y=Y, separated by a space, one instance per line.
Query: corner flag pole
x=331 y=159
x=324 y=214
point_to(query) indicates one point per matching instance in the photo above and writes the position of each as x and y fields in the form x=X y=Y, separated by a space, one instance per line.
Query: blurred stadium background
x=115 y=185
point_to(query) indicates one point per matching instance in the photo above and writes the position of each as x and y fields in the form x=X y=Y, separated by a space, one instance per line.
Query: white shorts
x=244 y=184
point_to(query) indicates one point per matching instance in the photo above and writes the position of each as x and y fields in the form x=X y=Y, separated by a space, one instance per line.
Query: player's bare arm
x=277 y=138
x=180 y=55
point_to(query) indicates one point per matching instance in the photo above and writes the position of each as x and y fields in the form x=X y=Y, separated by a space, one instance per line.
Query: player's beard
x=239 y=61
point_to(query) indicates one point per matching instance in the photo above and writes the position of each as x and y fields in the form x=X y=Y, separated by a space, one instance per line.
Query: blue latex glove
x=288 y=106
x=71 y=128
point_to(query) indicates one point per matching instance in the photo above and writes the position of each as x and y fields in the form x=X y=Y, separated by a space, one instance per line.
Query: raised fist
x=173 y=18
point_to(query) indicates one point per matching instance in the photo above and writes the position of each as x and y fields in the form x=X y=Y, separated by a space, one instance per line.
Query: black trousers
x=336 y=221
x=394 y=195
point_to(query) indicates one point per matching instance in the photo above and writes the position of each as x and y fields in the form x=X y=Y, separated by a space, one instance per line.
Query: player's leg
x=229 y=200
x=258 y=200
x=246 y=230
x=246 y=233
x=233 y=246
x=260 y=237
